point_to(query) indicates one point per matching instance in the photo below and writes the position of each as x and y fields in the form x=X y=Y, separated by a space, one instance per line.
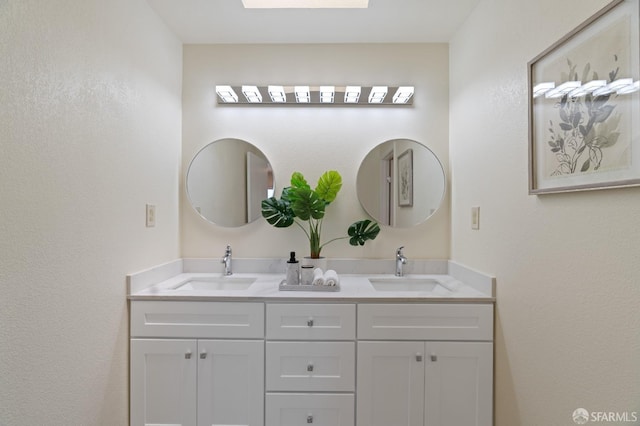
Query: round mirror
x=227 y=181
x=401 y=183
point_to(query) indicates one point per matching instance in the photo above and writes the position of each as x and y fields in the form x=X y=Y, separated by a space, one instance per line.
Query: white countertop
x=353 y=288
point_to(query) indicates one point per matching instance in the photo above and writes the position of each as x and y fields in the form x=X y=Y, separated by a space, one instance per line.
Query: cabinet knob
x=434 y=357
x=187 y=355
x=309 y=418
x=203 y=354
x=419 y=357
x=309 y=367
x=310 y=322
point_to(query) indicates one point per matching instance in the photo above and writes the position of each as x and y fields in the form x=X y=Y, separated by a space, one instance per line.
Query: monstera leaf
x=362 y=231
x=278 y=212
x=328 y=185
x=306 y=203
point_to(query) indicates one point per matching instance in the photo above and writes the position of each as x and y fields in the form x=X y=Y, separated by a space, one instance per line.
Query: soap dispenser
x=293 y=270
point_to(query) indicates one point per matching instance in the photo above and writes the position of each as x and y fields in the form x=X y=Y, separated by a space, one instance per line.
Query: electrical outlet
x=151 y=215
x=475 y=218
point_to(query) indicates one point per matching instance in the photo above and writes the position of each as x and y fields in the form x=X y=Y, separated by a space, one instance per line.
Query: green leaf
x=277 y=212
x=328 y=185
x=306 y=204
x=298 y=181
x=362 y=231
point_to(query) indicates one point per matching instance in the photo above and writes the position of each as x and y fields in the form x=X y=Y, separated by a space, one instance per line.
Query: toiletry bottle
x=293 y=270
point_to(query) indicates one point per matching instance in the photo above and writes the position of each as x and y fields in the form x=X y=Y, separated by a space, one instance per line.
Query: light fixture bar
x=377 y=94
x=352 y=94
x=327 y=93
x=252 y=94
x=227 y=94
x=303 y=94
x=277 y=94
x=403 y=94
x=588 y=87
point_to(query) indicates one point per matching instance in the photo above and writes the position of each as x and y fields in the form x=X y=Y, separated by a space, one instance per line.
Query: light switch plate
x=475 y=218
x=151 y=216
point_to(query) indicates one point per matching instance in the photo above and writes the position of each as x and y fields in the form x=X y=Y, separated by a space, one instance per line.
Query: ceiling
x=385 y=21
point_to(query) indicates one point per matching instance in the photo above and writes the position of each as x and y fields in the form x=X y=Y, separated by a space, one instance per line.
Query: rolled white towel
x=318 y=277
x=331 y=278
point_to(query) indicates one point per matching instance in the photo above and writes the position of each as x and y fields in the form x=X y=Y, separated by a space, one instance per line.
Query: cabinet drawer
x=311 y=321
x=309 y=409
x=425 y=322
x=197 y=319
x=310 y=366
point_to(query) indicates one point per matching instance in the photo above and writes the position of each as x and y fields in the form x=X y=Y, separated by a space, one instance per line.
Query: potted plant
x=300 y=203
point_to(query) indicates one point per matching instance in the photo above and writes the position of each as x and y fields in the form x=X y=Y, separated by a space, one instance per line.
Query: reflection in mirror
x=227 y=181
x=401 y=183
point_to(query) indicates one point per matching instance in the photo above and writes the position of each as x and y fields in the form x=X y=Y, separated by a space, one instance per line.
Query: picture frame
x=405 y=179
x=584 y=105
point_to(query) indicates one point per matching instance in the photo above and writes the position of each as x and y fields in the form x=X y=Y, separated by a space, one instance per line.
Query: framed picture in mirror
x=405 y=179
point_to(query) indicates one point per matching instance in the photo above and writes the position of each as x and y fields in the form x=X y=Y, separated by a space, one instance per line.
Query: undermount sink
x=216 y=283
x=406 y=284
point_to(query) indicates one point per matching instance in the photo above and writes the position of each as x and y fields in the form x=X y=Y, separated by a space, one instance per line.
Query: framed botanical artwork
x=584 y=105
x=405 y=179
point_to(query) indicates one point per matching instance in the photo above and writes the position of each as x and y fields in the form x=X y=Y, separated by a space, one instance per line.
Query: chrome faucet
x=227 y=261
x=400 y=260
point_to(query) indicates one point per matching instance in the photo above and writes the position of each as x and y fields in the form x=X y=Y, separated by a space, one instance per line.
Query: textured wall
x=89 y=133
x=314 y=139
x=567 y=265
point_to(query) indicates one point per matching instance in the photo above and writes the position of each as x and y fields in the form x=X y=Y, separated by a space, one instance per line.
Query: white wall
x=90 y=132
x=566 y=265
x=315 y=139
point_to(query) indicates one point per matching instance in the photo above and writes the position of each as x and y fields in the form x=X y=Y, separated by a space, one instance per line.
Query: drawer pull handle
x=434 y=357
x=187 y=355
x=310 y=322
x=203 y=354
x=309 y=418
x=310 y=367
x=419 y=357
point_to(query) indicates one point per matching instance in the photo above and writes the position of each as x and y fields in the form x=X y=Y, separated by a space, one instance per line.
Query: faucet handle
x=228 y=249
x=399 y=250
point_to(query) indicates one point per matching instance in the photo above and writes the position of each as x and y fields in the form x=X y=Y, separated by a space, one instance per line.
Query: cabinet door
x=390 y=383
x=163 y=382
x=459 y=381
x=230 y=382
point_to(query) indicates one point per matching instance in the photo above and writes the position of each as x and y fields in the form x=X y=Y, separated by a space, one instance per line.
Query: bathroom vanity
x=205 y=352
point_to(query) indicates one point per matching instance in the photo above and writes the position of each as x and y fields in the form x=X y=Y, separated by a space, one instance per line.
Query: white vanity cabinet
x=197 y=363
x=310 y=364
x=425 y=365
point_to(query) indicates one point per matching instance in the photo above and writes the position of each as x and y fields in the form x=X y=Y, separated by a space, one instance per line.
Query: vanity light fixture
x=327 y=94
x=377 y=94
x=303 y=95
x=277 y=94
x=227 y=94
x=614 y=86
x=563 y=89
x=352 y=94
x=588 y=87
x=629 y=89
x=252 y=94
x=542 y=88
x=403 y=95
